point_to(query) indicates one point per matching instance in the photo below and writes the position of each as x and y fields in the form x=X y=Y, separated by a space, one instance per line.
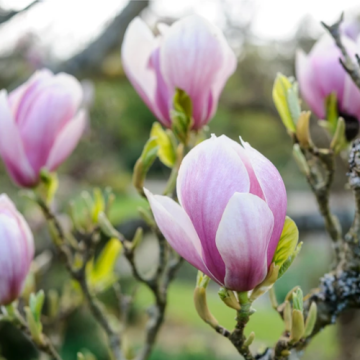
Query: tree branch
x=348 y=64
x=80 y=276
x=91 y=58
x=6 y=16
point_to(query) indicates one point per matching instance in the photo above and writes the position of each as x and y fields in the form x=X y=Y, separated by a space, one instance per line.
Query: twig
x=348 y=64
x=237 y=337
x=45 y=346
x=158 y=284
x=353 y=236
x=80 y=276
x=320 y=186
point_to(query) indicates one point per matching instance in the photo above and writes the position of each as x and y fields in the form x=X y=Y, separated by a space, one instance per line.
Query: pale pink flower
x=191 y=55
x=40 y=125
x=16 y=251
x=231 y=213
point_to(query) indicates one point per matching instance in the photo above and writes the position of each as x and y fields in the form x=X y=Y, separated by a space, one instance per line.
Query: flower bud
x=311 y=320
x=320 y=74
x=201 y=302
x=228 y=297
x=16 y=251
x=40 y=125
x=249 y=339
x=287 y=316
x=297 y=326
x=232 y=212
x=191 y=55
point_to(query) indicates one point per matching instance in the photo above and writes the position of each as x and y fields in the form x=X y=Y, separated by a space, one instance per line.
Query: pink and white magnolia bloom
x=40 y=125
x=320 y=73
x=16 y=251
x=232 y=213
x=191 y=55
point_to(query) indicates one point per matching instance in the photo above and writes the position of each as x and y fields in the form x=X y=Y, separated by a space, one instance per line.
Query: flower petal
x=11 y=147
x=138 y=45
x=44 y=113
x=242 y=239
x=307 y=86
x=19 y=96
x=192 y=56
x=6 y=205
x=208 y=177
x=178 y=229
x=350 y=103
x=66 y=141
x=16 y=251
x=274 y=192
x=227 y=70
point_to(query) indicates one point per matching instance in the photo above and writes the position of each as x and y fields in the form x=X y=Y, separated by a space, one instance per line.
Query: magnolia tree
x=223 y=209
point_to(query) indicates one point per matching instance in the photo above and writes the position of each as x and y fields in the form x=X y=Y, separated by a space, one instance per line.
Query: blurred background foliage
x=118 y=128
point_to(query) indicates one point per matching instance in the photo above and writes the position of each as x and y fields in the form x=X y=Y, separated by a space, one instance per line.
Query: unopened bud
x=269 y=281
x=311 y=320
x=289 y=295
x=339 y=141
x=285 y=352
x=298 y=299
x=106 y=226
x=297 y=327
x=300 y=160
x=229 y=298
x=280 y=96
x=250 y=339
x=273 y=299
x=287 y=316
x=303 y=131
x=34 y=327
x=137 y=238
x=201 y=302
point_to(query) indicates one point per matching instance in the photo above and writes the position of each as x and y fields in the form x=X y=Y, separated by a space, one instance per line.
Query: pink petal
x=192 y=56
x=162 y=98
x=255 y=187
x=6 y=205
x=328 y=73
x=350 y=103
x=44 y=113
x=242 y=240
x=11 y=147
x=19 y=96
x=178 y=230
x=208 y=177
x=274 y=193
x=307 y=85
x=66 y=141
x=137 y=48
x=227 y=70
x=16 y=251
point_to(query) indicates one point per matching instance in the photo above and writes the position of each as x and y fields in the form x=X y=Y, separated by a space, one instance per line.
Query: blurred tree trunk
x=8 y=15
x=90 y=59
x=349 y=335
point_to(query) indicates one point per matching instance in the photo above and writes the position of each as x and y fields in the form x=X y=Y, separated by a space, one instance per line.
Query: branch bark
x=91 y=58
x=6 y=16
x=348 y=64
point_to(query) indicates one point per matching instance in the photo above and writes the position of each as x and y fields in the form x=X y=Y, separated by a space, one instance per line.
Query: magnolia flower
x=351 y=29
x=320 y=73
x=40 y=125
x=191 y=55
x=16 y=251
x=233 y=204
